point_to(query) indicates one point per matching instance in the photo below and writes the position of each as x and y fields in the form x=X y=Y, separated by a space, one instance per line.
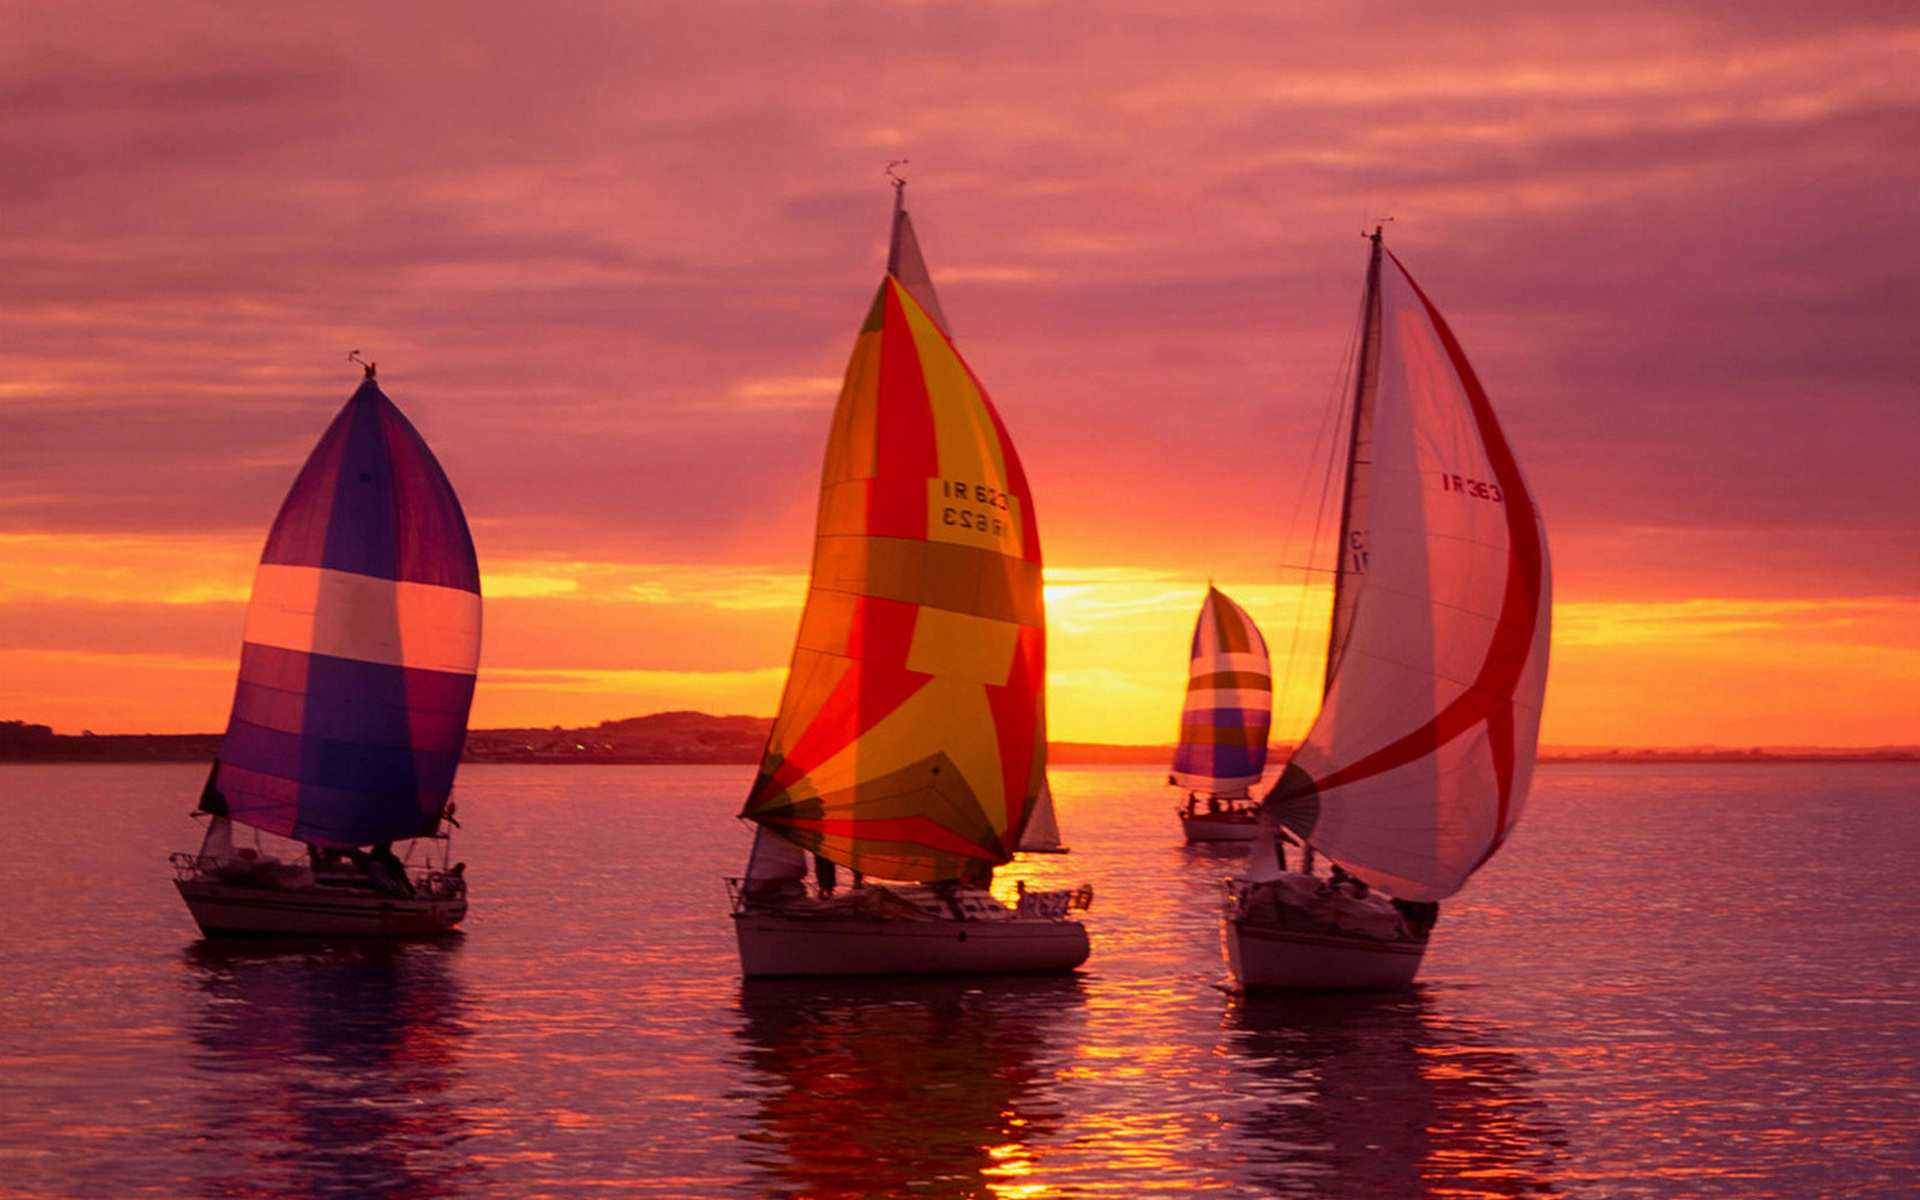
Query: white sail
x=1042 y=834
x=774 y=858
x=1419 y=761
x=904 y=263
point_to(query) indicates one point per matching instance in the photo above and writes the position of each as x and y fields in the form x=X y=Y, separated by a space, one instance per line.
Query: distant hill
x=1722 y=754
x=668 y=737
x=22 y=742
x=696 y=737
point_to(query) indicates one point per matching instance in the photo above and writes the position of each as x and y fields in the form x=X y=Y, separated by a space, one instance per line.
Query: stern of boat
x=271 y=898
x=905 y=930
x=1272 y=945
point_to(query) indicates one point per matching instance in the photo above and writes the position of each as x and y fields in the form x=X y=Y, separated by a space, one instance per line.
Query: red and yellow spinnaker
x=911 y=741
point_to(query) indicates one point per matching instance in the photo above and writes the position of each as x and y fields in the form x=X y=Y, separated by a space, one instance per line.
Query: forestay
x=1418 y=764
x=361 y=643
x=911 y=739
x=1229 y=705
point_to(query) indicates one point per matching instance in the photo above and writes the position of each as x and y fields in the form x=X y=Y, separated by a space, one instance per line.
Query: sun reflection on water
x=905 y=1087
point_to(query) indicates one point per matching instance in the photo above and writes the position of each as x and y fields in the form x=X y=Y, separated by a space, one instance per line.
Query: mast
x=904 y=261
x=899 y=217
x=1351 y=561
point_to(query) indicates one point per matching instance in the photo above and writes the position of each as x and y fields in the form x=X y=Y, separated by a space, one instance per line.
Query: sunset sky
x=611 y=258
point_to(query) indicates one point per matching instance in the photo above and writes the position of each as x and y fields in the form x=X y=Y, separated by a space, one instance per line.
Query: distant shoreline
x=689 y=738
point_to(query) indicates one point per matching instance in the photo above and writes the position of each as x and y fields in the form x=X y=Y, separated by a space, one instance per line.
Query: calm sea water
x=1677 y=981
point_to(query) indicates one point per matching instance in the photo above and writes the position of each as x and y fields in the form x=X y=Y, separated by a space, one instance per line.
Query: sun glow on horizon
x=179 y=569
x=136 y=634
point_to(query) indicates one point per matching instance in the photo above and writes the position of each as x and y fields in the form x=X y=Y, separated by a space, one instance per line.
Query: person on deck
x=388 y=873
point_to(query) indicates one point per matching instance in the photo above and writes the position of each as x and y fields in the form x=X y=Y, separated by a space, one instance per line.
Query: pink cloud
x=1675 y=238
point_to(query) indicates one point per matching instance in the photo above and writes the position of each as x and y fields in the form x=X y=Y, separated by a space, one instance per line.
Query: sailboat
x=1416 y=768
x=1223 y=725
x=910 y=748
x=356 y=675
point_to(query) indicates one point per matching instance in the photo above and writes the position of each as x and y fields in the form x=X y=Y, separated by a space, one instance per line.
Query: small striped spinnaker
x=1229 y=705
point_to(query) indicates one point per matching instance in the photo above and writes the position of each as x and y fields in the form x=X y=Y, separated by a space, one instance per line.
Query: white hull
x=1298 y=930
x=1204 y=828
x=1264 y=957
x=224 y=908
x=772 y=944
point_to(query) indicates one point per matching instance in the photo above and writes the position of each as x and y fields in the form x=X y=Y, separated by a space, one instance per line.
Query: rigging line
x=1326 y=443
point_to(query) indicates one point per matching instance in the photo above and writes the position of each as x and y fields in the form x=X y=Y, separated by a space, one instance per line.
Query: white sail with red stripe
x=1418 y=764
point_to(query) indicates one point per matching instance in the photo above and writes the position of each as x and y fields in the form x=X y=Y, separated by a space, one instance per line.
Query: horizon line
x=1546 y=751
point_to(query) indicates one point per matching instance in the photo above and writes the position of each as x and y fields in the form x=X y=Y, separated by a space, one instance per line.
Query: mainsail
x=361 y=643
x=1418 y=764
x=1229 y=706
x=911 y=739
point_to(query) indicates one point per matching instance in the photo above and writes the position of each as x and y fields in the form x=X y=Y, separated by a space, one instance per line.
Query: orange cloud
x=126 y=635
x=1735 y=673
x=611 y=262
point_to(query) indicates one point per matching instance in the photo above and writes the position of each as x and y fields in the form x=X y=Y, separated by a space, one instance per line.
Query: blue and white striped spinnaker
x=1223 y=725
x=362 y=639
